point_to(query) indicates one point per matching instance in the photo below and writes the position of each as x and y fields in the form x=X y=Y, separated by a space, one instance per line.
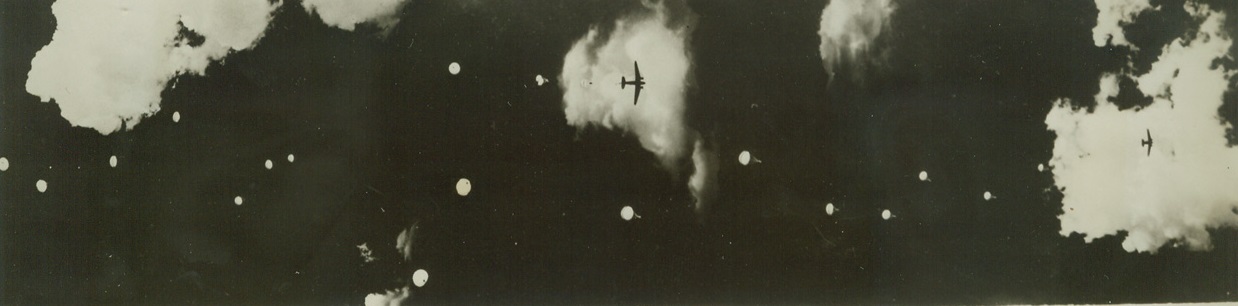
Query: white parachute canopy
x=41 y=185
x=4 y=164
x=830 y=209
x=924 y=176
x=627 y=213
x=420 y=277
x=454 y=68
x=746 y=157
x=112 y=161
x=463 y=187
x=238 y=200
x=886 y=215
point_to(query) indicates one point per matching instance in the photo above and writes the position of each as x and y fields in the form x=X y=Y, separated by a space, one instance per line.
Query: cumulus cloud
x=109 y=60
x=704 y=175
x=396 y=296
x=390 y=297
x=849 y=31
x=347 y=14
x=657 y=38
x=1186 y=185
x=1112 y=16
x=404 y=242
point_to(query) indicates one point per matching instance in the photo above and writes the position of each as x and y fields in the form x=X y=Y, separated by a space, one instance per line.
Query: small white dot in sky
x=988 y=196
x=4 y=164
x=829 y=209
x=420 y=277
x=454 y=68
x=923 y=175
x=627 y=213
x=885 y=214
x=269 y=164
x=238 y=200
x=176 y=116
x=463 y=187
x=112 y=161
x=291 y=158
x=744 y=158
x=1040 y=167
x=540 y=80
x=41 y=185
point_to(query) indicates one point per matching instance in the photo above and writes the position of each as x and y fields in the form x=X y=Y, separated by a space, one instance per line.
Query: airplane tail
x=623 y=82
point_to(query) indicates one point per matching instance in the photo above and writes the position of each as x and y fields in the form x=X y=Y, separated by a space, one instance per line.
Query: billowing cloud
x=1185 y=186
x=396 y=296
x=849 y=32
x=1112 y=16
x=595 y=65
x=656 y=38
x=109 y=60
x=404 y=242
x=347 y=14
x=390 y=297
x=704 y=175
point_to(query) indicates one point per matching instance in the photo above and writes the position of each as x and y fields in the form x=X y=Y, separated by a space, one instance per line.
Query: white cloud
x=109 y=60
x=390 y=297
x=347 y=14
x=592 y=95
x=404 y=242
x=1186 y=185
x=397 y=296
x=1112 y=16
x=704 y=175
x=849 y=30
x=593 y=68
x=366 y=254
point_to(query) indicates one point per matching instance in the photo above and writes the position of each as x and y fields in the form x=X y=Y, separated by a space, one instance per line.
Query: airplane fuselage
x=637 y=83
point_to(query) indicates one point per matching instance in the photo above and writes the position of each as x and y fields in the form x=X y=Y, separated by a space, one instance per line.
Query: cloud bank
x=849 y=31
x=657 y=38
x=1112 y=16
x=347 y=14
x=1187 y=183
x=109 y=60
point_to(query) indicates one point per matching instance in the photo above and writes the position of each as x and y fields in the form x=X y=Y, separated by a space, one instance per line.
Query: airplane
x=1147 y=142
x=639 y=82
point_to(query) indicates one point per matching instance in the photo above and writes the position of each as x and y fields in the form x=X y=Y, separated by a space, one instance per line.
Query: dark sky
x=381 y=132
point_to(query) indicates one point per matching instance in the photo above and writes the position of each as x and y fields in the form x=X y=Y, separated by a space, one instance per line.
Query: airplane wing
x=1149 y=150
x=637 y=67
x=1149 y=135
x=637 y=96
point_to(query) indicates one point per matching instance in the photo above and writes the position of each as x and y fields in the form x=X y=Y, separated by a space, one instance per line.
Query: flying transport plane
x=639 y=82
x=1147 y=142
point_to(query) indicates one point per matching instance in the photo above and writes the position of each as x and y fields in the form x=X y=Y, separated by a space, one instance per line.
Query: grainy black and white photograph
x=618 y=152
